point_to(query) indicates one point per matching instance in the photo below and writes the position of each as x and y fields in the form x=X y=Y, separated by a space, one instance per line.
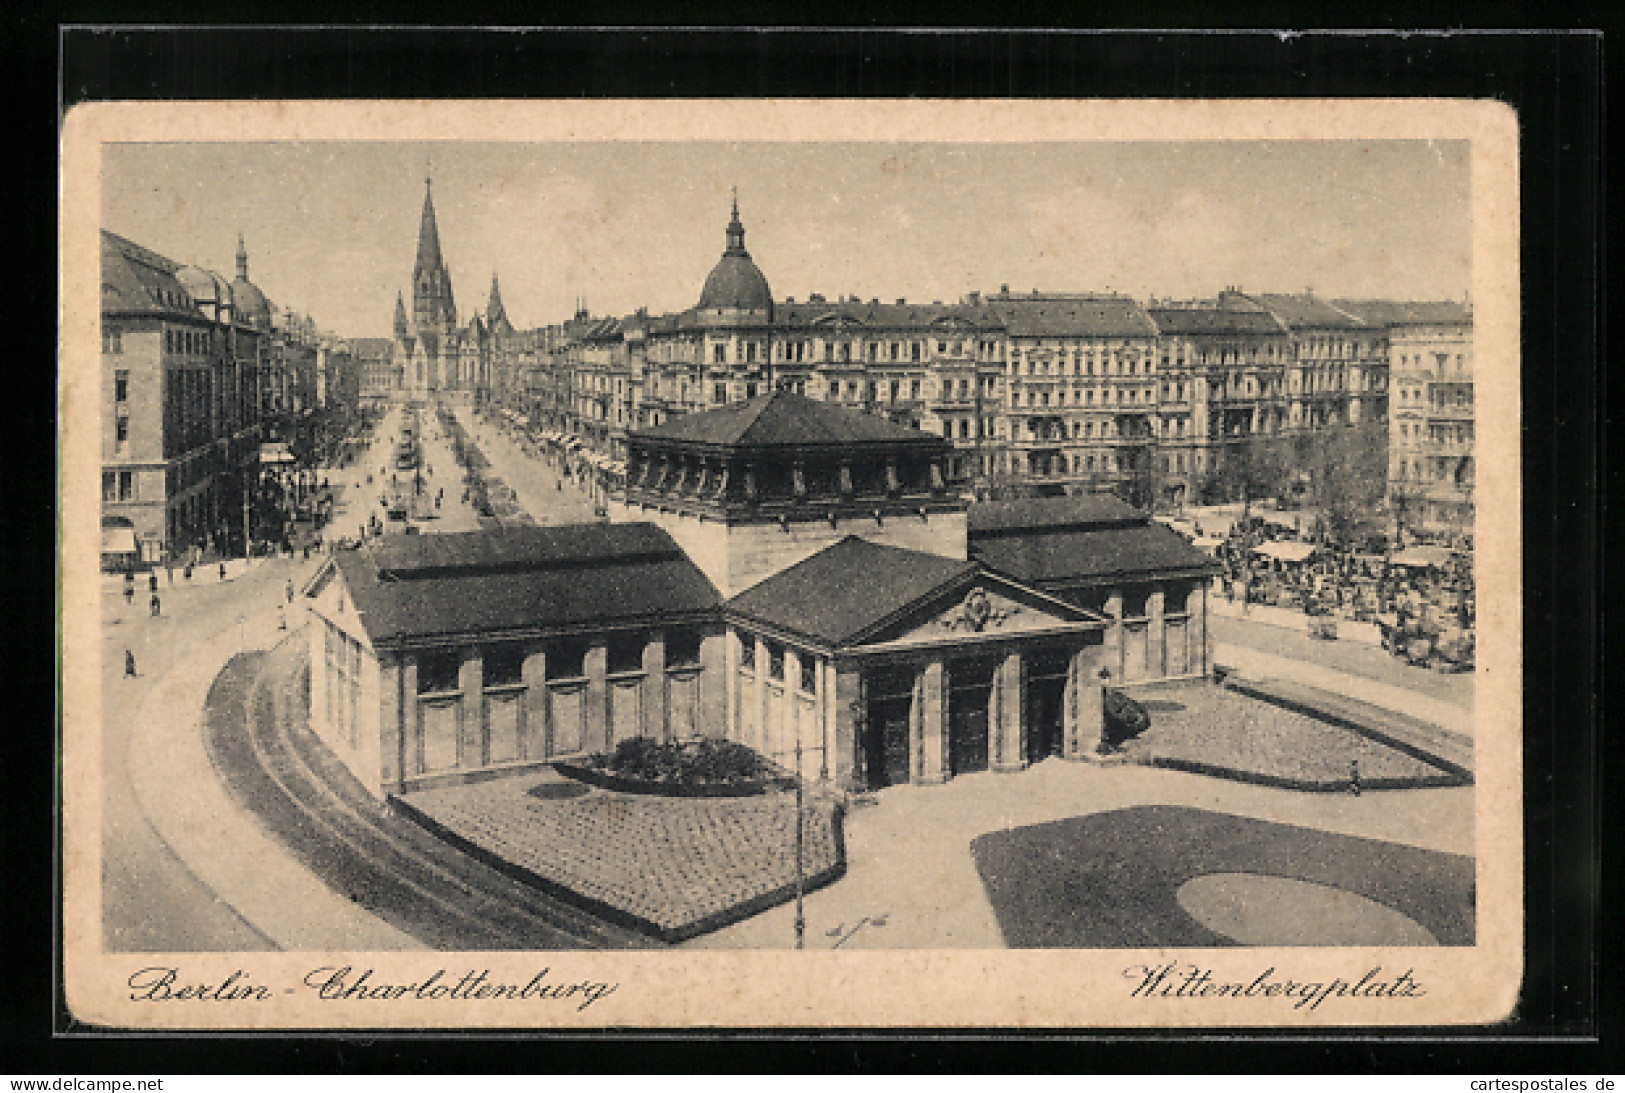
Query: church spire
x=242 y=258
x=428 y=232
x=400 y=315
x=432 y=301
x=494 y=311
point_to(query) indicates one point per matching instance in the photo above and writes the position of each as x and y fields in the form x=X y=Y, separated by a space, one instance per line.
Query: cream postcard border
x=684 y=989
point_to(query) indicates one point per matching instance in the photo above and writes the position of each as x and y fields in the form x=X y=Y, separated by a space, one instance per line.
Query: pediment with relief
x=984 y=610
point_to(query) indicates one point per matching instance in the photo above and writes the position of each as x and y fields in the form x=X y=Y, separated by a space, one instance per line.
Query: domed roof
x=248 y=303
x=735 y=284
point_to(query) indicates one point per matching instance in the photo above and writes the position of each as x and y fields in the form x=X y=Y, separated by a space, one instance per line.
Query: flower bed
x=687 y=768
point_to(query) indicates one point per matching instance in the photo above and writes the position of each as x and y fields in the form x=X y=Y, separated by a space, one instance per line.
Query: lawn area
x=1208 y=729
x=1112 y=879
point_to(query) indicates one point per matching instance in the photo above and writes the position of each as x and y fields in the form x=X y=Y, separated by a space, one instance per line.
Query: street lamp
x=801 y=919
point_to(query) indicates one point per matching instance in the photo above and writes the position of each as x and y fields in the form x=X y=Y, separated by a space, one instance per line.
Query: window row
x=502 y=664
x=808 y=676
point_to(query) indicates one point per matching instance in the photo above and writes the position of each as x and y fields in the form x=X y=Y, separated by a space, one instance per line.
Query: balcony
x=1447 y=412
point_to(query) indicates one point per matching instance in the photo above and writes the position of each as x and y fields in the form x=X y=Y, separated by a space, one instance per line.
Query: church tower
x=496 y=316
x=432 y=305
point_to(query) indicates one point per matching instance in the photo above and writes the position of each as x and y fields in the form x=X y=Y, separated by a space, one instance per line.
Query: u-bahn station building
x=781 y=572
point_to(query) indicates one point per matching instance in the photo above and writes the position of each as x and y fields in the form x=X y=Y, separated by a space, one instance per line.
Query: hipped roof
x=523 y=580
x=847 y=590
x=784 y=419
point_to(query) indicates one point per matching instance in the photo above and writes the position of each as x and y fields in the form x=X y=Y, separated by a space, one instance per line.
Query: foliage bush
x=688 y=762
x=1125 y=718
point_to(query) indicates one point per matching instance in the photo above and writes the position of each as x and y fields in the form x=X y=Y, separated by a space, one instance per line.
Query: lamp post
x=801 y=920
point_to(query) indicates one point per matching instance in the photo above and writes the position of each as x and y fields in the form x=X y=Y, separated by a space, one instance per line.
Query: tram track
x=375 y=858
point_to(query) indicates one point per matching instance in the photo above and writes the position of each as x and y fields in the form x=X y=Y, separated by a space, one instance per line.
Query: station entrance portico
x=996 y=705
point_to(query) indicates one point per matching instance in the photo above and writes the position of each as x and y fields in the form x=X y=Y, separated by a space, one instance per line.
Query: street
x=151 y=902
x=1351 y=657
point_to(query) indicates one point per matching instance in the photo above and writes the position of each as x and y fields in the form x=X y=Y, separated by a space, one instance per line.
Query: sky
x=331 y=228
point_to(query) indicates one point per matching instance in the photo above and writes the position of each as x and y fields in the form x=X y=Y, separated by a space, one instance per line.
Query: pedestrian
x=222 y=570
x=129 y=593
x=290 y=590
x=156 y=609
x=152 y=581
x=129 y=664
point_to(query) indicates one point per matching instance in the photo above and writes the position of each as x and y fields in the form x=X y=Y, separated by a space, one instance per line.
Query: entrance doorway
x=970 y=686
x=889 y=700
x=1046 y=703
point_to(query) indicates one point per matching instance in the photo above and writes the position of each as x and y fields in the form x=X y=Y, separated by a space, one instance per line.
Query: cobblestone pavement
x=678 y=864
x=1211 y=729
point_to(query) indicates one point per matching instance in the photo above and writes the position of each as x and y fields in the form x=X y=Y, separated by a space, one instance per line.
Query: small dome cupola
x=735 y=285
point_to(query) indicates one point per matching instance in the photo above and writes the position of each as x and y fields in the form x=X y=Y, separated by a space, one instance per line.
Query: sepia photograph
x=816 y=563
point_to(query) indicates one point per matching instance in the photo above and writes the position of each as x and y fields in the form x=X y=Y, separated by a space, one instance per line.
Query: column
x=789 y=719
x=411 y=719
x=930 y=763
x=1157 y=666
x=1008 y=753
x=471 y=711
x=595 y=732
x=1085 y=707
x=826 y=717
x=1201 y=662
x=655 y=725
x=391 y=723
x=758 y=695
x=717 y=679
x=1114 y=633
x=846 y=743
x=537 y=742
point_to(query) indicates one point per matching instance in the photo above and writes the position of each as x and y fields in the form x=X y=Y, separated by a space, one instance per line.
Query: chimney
x=901 y=300
x=1004 y=289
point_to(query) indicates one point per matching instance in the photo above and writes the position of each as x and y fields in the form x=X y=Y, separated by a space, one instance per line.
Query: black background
x=1555 y=81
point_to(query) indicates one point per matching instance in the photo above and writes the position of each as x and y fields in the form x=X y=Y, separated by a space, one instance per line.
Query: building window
x=109 y=486
x=121 y=385
x=719 y=354
x=625 y=653
x=121 y=431
x=747 y=652
x=126 y=485
x=682 y=648
x=720 y=393
x=809 y=674
x=504 y=665
x=437 y=671
x=567 y=660
x=775 y=662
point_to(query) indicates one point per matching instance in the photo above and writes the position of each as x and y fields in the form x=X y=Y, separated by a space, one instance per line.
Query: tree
x=1349 y=470
x=1248 y=470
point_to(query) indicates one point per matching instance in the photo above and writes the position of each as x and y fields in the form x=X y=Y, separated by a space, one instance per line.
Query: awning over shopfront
x=118 y=539
x=1423 y=557
x=276 y=453
x=1289 y=552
